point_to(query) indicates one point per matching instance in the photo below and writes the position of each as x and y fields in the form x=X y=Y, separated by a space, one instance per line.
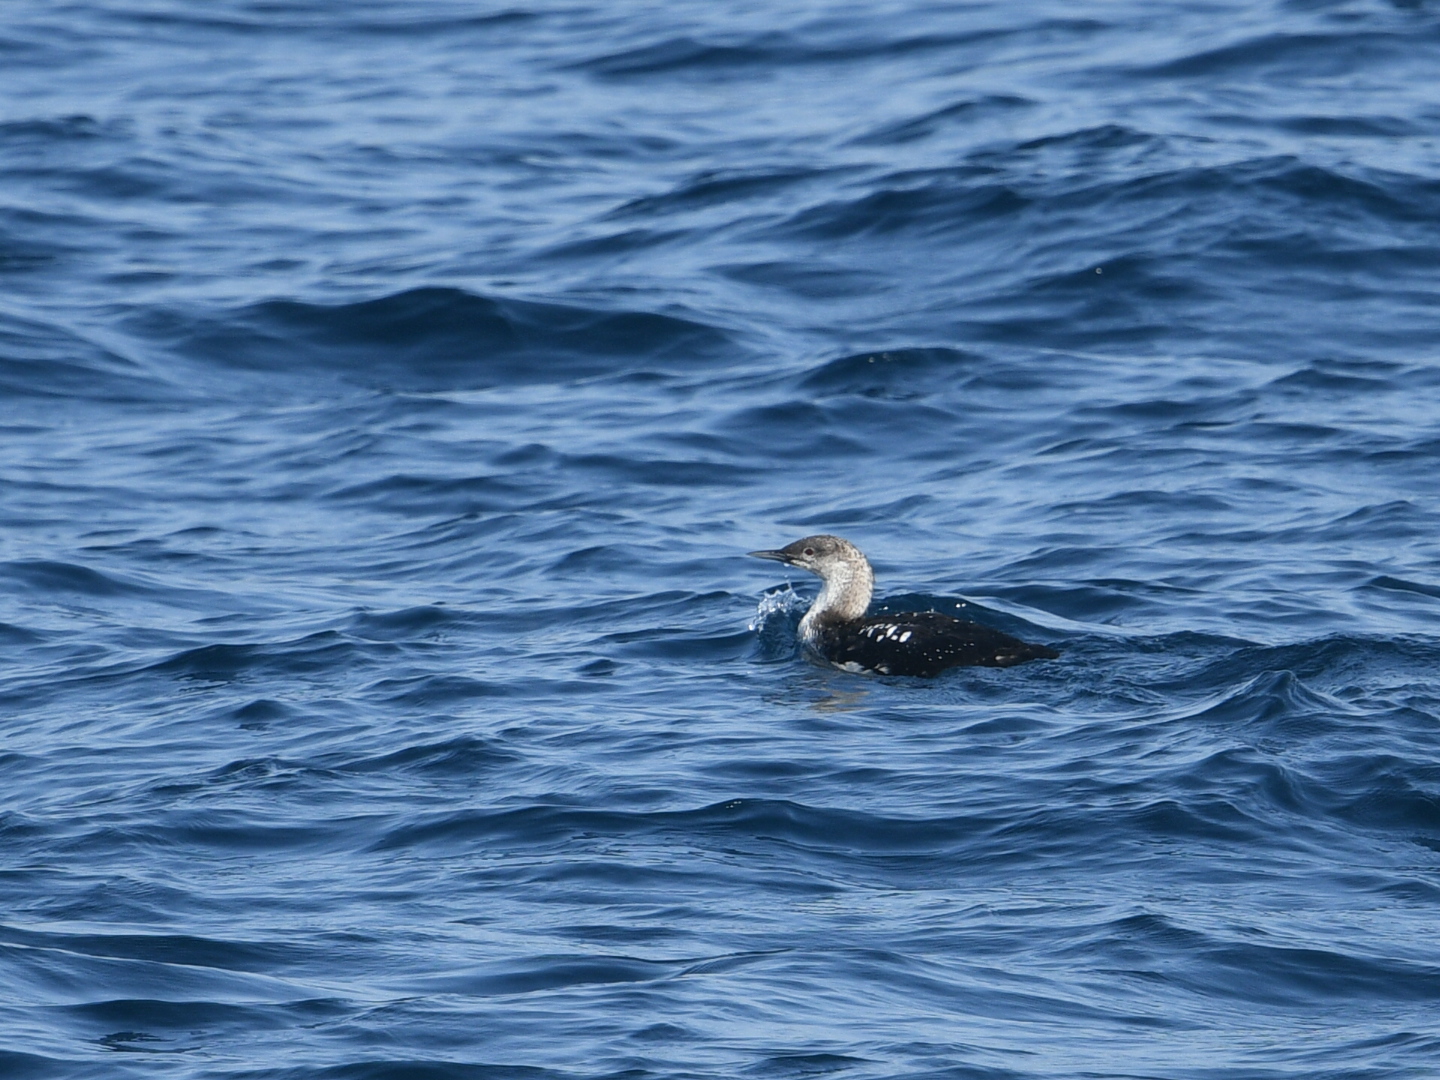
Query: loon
x=922 y=643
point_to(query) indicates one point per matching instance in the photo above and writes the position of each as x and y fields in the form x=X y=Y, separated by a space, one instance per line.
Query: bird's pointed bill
x=778 y=556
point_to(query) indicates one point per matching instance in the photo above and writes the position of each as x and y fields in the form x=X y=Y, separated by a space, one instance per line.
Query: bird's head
x=827 y=556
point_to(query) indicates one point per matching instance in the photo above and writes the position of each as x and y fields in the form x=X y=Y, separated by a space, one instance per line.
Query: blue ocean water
x=391 y=390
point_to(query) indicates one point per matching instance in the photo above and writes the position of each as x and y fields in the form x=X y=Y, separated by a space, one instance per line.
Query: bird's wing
x=925 y=643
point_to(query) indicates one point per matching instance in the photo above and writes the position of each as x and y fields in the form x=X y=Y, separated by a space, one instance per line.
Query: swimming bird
x=920 y=643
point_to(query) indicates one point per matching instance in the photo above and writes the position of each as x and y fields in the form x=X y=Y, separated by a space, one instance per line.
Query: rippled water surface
x=391 y=390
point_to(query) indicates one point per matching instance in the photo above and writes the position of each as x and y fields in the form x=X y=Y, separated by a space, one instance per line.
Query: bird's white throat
x=845 y=595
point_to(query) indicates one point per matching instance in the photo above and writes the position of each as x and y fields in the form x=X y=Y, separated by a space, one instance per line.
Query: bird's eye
x=809 y=551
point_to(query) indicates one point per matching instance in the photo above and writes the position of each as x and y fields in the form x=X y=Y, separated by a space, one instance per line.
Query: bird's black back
x=922 y=643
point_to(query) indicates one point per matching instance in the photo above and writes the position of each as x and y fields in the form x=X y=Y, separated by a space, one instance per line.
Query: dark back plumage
x=922 y=643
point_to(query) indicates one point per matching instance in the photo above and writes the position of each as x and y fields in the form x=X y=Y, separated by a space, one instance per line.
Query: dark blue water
x=390 y=390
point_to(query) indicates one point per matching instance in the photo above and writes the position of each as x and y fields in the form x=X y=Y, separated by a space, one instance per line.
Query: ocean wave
x=437 y=338
x=48 y=362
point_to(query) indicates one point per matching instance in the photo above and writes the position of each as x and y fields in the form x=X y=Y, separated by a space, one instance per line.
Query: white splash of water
x=784 y=602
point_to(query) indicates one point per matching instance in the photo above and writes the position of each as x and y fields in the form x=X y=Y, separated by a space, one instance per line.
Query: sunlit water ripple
x=392 y=390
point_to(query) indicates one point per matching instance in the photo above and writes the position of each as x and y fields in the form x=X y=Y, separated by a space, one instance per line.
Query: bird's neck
x=844 y=597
